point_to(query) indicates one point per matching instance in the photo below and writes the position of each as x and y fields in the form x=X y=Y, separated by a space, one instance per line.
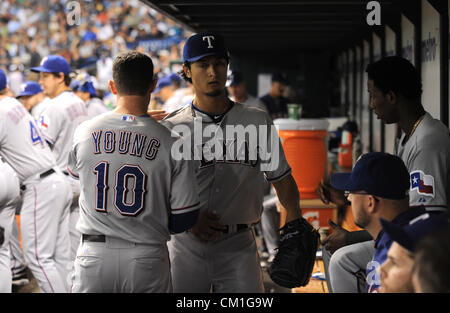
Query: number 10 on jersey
x=123 y=176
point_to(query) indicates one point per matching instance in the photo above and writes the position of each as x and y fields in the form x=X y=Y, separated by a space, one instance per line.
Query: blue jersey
x=382 y=245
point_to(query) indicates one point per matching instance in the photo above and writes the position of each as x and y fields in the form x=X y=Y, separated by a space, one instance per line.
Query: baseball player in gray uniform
x=32 y=97
x=133 y=192
x=237 y=88
x=395 y=90
x=83 y=87
x=44 y=220
x=219 y=253
x=9 y=197
x=62 y=114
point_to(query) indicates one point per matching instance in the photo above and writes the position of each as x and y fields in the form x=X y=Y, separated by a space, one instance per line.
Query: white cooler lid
x=301 y=124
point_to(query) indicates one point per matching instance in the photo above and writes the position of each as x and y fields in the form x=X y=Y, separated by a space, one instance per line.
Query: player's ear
x=153 y=85
x=187 y=71
x=391 y=97
x=112 y=87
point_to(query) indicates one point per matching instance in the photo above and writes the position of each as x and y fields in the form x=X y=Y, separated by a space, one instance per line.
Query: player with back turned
x=133 y=192
x=219 y=253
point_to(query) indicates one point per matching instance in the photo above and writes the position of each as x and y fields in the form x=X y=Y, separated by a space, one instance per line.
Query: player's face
x=381 y=104
x=49 y=83
x=209 y=75
x=396 y=272
x=237 y=91
x=360 y=202
x=278 y=88
x=26 y=101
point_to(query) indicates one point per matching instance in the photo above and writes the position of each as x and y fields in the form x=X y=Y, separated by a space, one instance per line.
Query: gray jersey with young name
x=427 y=156
x=233 y=157
x=130 y=184
x=21 y=144
x=61 y=115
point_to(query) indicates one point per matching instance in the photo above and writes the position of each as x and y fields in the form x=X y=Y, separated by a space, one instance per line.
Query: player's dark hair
x=133 y=73
x=432 y=262
x=67 y=78
x=396 y=74
x=183 y=74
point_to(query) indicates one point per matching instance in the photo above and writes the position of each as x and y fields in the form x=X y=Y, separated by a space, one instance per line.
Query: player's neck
x=134 y=105
x=409 y=118
x=60 y=90
x=242 y=98
x=212 y=105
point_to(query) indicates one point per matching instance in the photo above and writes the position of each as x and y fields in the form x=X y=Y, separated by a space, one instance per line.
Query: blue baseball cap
x=29 y=88
x=163 y=82
x=235 y=78
x=175 y=77
x=53 y=64
x=3 y=80
x=204 y=44
x=417 y=229
x=377 y=173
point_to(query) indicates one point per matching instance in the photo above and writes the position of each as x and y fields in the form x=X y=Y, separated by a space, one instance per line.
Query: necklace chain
x=415 y=125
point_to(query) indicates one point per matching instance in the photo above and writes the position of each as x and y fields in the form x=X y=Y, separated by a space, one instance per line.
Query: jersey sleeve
x=72 y=167
x=428 y=174
x=50 y=123
x=184 y=197
x=273 y=160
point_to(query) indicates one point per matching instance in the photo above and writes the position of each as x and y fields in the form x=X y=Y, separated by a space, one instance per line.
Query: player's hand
x=2 y=235
x=157 y=114
x=336 y=239
x=329 y=194
x=208 y=228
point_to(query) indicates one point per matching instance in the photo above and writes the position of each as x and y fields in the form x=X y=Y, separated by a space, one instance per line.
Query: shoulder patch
x=423 y=183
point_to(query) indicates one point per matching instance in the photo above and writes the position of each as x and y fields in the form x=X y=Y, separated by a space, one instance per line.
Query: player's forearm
x=289 y=197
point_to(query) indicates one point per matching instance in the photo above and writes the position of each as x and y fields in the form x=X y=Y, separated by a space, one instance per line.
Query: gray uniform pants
x=346 y=269
x=270 y=223
x=229 y=264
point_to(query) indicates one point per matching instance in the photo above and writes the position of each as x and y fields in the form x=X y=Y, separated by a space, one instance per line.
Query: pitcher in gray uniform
x=219 y=253
x=134 y=194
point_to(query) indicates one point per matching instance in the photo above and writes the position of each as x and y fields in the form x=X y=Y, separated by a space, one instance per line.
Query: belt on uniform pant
x=94 y=238
x=42 y=175
x=237 y=228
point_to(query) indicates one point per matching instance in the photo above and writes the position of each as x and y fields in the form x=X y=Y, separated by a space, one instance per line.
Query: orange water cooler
x=304 y=143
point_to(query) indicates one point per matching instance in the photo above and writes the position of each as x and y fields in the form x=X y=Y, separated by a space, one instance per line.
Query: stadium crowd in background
x=89 y=41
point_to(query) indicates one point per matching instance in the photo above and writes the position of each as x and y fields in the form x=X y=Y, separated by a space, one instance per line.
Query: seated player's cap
x=29 y=88
x=162 y=83
x=204 y=44
x=53 y=64
x=411 y=234
x=377 y=173
x=235 y=78
x=3 y=80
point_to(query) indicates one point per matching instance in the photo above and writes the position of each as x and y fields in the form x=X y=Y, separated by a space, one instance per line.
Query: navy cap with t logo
x=377 y=173
x=204 y=44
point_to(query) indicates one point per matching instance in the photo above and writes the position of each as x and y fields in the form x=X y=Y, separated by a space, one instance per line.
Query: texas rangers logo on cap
x=204 y=44
x=424 y=184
